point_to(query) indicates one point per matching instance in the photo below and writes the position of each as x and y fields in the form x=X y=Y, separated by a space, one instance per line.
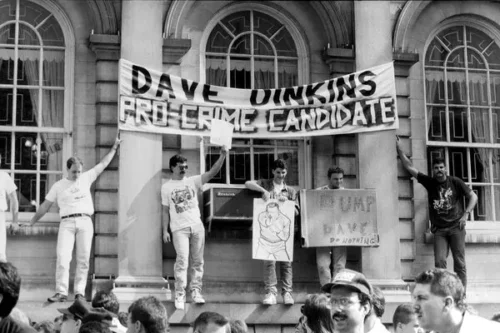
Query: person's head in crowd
x=147 y=315
x=279 y=169
x=72 y=316
x=123 y=317
x=75 y=166
x=238 y=326
x=317 y=312
x=211 y=322
x=378 y=308
x=350 y=300
x=496 y=317
x=45 y=326
x=94 y=327
x=19 y=316
x=336 y=178
x=10 y=285
x=106 y=300
x=439 y=168
x=405 y=320
x=58 y=323
x=438 y=299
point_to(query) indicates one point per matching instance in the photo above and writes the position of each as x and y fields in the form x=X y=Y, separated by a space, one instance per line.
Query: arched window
x=33 y=95
x=462 y=89
x=250 y=49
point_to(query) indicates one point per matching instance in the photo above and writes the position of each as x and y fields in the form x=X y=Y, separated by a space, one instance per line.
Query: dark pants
x=451 y=239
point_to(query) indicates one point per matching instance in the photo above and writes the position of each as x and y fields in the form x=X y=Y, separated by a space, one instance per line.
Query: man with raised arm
x=446 y=211
x=72 y=195
x=179 y=197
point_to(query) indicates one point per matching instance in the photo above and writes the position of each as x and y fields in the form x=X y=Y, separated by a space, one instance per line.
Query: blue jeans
x=324 y=259
x=451 y=239
x=189 y=243
x=270 y=280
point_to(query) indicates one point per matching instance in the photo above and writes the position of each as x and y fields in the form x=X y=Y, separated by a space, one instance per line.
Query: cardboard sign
x=339 y=218
x=273 y=230
x=221 y=133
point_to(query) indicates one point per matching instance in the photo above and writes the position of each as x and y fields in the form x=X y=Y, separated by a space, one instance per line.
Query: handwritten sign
x=221 y=133
x=339 y=218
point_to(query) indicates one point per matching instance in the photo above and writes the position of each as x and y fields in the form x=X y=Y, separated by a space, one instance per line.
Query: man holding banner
x=179 y=197
x=324 y=254
x=276 y=188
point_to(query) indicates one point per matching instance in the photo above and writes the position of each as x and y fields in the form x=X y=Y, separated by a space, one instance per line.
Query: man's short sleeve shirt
x=73 y=196
x=181 y=198
x=446 y=199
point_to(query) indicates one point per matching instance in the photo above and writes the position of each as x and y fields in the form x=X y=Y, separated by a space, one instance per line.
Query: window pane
x=52 y=108
x=265 y=24
x=25 y=151
x=237 y=22
x=27 y=100
x=475 y=59
x=26 y=187
x=480 y=172
x=478 y=88
x=264 y=74
x=434 y=87
x=287 y=73
x=241 y=45
x=496 y=205
x=458 y=124
x=239 y=165
x=480 y=125
x=5 y=141
x=262 y=47
x=7 y=10
x=436 y=117
x=212 y=156
x=456 y=87
x=52 y=34
x=496 y=169
x=496 y=125
x=436 y=54
x=216 y=71
x=53 y=68
x=6 y=66
x=456 y=59
x=29 y=64
x=6 y=105
x=240 y=73
x=27 y=36
x=51 y=157
x=458 y=163
x=7 y=33
x=484 y=208
x=263 y=161
x=284 y=43
x=495 y=89
x=219 y=40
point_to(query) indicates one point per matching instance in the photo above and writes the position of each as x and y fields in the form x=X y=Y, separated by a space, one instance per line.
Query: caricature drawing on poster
x=273 y=230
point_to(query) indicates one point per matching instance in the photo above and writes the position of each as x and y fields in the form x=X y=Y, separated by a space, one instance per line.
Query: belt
x=74 y=215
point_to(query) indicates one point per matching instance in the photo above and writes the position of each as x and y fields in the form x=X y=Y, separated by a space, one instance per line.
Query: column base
x=129 y=288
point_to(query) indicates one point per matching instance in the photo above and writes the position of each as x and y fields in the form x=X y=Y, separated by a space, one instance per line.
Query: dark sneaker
x=58 y=297
x=80 y=297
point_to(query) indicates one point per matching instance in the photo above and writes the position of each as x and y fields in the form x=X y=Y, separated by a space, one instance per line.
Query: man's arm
x=471 y=203
x=14 y=206
x=254 y=186
x=103 y=164
x=44 y=208
x=405 y=160
x=205 y=178
x=166 y=223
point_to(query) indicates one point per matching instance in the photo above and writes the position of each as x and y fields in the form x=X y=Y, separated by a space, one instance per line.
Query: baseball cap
x=78 y=309
x=349 y=278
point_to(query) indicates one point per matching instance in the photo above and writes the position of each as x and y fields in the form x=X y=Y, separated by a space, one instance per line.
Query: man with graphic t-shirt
x=73 y=197
x=7 y=190
x=447 y=214
x=179 y=197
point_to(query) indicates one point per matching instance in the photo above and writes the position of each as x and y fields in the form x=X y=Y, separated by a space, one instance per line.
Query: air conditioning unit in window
x=229 y=204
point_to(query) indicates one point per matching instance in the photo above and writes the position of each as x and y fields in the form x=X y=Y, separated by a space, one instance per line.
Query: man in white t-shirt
x=7 y=190
x=72 y=195
x=179 y=197
x=339 y=253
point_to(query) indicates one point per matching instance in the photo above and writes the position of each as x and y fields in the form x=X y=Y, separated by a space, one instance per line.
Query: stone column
x=377 y=150
x=139 y=214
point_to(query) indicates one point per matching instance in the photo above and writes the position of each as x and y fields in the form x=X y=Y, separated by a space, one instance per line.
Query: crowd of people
x=347 y=304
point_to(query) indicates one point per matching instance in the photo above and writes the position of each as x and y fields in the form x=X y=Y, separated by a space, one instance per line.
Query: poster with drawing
x=273 y=230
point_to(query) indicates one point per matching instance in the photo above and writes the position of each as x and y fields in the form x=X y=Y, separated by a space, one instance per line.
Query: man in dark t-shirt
x=10 y=285
x=446 y=211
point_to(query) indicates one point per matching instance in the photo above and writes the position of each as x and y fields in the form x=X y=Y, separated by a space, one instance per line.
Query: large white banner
x=156 y=102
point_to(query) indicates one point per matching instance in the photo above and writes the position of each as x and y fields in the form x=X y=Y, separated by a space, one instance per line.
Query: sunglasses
x=183 y=167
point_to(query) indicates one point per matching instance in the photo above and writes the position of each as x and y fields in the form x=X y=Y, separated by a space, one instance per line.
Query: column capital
x=339 y=60
x=105 y=47
x=403 y=61
x=174 y=49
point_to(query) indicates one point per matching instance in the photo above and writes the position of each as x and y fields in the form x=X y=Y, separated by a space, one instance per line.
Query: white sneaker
x=197 y=297
x=180 y=300
x=269 y=299
x=288 y=299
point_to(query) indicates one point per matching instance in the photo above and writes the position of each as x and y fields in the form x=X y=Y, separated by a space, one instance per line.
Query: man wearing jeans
x=446 y=209
x=7 y=190
x=73 y=197
x=179 y=197
x=339 y=253
x=275 y=188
